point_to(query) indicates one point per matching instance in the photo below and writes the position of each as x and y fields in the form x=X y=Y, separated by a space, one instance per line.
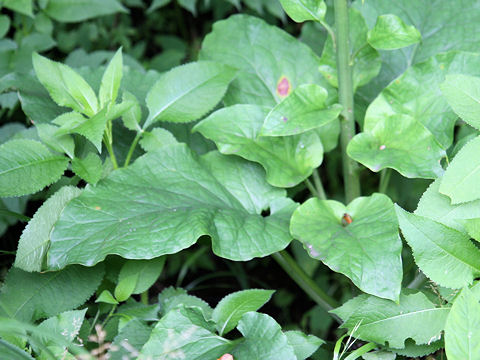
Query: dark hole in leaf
x=265 y=212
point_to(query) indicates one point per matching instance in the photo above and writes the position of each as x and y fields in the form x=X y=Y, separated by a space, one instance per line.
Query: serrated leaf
x=75 y=11
x=462 y=176
x=287 y=160
x=379 y=355
x=304 y=109
x=390 y=33
x=304 y=10
x=232 y=307
x=445 y=255
x=111 y=80
x=171 y=297
x=266 y=57
x=367 y=61
x=164 y=202
x=303 y=345
x=264 y=338
x=35 y=239
x=473 y=228
x=136 y=276
x=462 y=335
x=156 y=139
x=413 y=97
x=61 y=143
x=107 y=298
x=383 y=321
x=412 y=350
x=130 y=340
x=32 y=296
x=183 y=331
x=27 y=166
x=367 y=250
x=65 y=86
x=188 y=92
x=88 y=168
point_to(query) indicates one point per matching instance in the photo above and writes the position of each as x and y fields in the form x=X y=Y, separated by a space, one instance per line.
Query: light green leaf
x=263 y=339
x=473 y=227
x=462 y=177
x=156 y=139
x=130 y=340
x=111 y=80
x=136 y=276
x=271 y=62
x=156 y=4
x=414 y=97
x=445 y=255
x=412 y=350
x=383 y=321
x=183 y=331
x=287 y=160
x=75 y=11
x=35 y=239
x=13 y=352
x=88 y=168
x=462 y=335
x=232 y=307
x=170 y=298
x=131 y=118
x=366 y=60
x=380 y=355
x=32 y=296
x=304 y=109
x=21 y=6
x=303 y=345
x=188 y=92
x=390 y=33
x=27 y=166
x=4 y=25
x=164 y=202
x=65 y=86
x=367 y=250
x=304 y=10
x=107 y=298
x=61 y=143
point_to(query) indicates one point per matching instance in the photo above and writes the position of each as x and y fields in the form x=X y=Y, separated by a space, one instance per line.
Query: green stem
x=132 y=148
x=112 y=310
x=319 y=186
x=108 y=145
x=311 y=188
x=361 y=351
x=385 y=175
x=144 y=297
x=345 y=95
x=290 y=266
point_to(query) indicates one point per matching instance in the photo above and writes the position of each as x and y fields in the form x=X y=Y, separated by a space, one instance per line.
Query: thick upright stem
x=345 y=94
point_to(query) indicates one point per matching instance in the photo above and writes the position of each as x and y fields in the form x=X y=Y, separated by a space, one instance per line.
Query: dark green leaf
x=75 y=11
x=89 y=168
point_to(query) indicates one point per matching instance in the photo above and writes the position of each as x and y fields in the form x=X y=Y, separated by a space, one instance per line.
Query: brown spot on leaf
x=283 y=87
x=346 y=219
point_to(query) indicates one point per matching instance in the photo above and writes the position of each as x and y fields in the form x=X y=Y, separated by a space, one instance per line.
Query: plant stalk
x=384 y=180
x=132 y=148
x=319 y=186
x=290 y=266
x=345 y=95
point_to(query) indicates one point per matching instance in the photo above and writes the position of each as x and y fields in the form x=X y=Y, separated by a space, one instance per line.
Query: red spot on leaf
x=346 y=219
x=226 y=357
x=283 y=87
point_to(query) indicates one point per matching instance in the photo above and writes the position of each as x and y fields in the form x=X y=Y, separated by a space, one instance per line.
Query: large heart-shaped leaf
x=360 y=240
x=445 y=255
x=382 y=321
x=412 y=116
x=287 y=160
x=164 y=202
x=271 y=62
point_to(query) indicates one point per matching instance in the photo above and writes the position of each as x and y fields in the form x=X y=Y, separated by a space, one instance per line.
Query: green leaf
x=35 y=239
x=107 y=298
x=413 y=108
x=65 y=86
x=88 y=168
x=390 y=33
x=383 y=321
x=366 y=60
x=183 y=331
x=232 y=307
x=461 y=179
x=304 y=109
x=164 y=202
x=27 y=166
x=445 y=255
x=188 y=92
x=271 y=62
x=303 y=345
x=21 y=6
x=32 y=296
x=111 y=80
x=4 y=25
x=156 y=4
x=13 y=352
x=367 y=250
x=263 y=339
x=287 y=160
x=136 y=276
x=129 y=340
x=438 y=207
x=76 y=11
x=379 y=355
x=304 y=10
x=131 y=118
x=189 y=5
x=156 y=139
x=170 y=298
x=60 y=143
x=473 y=227
x=462 y=338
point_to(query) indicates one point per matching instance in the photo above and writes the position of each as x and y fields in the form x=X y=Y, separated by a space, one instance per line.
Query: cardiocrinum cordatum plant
x=308 y=152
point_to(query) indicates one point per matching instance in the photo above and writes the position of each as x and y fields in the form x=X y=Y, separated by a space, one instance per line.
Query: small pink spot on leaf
x=382 y=147
x=283 y=87
x=284 y=119
x=226 y=357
